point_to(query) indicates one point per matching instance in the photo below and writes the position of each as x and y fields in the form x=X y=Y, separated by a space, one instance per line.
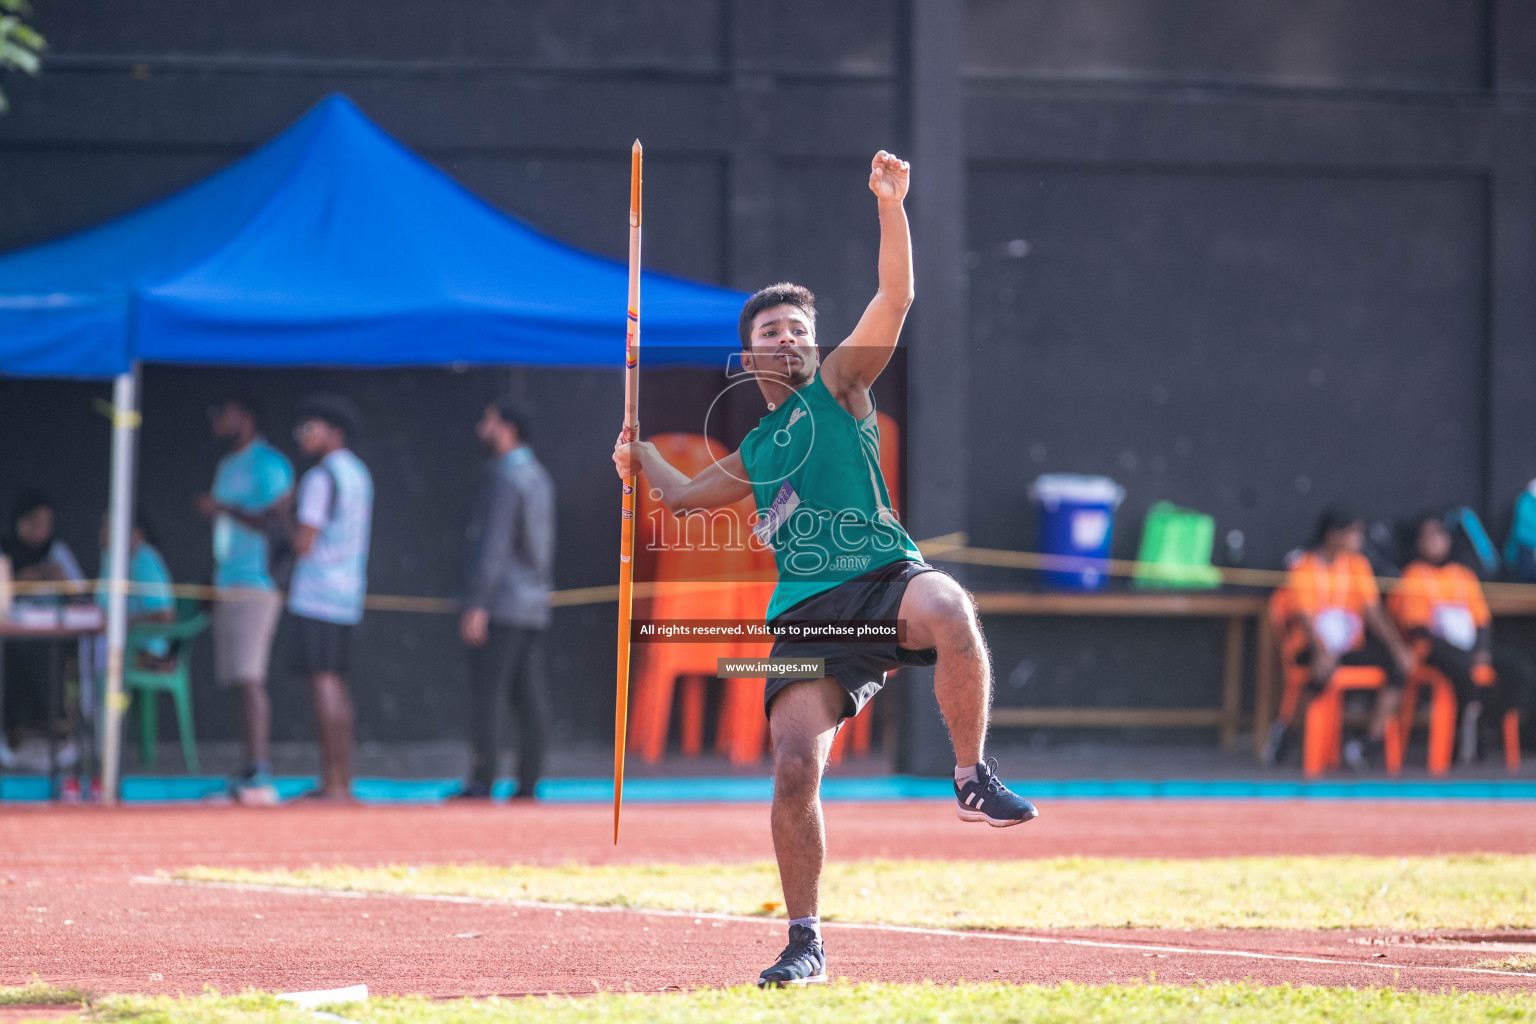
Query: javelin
x=627 y=523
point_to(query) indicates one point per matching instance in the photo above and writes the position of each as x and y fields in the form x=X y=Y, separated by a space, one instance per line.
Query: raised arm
x=854 y=365
x=723 y=483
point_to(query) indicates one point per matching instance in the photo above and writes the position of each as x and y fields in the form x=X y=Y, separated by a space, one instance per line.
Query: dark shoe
x=1470 y=716
x=988 y=800
x=1355 y=757
x=473 y=791
x=1276 y=745
x=803 y=962
x=254 y=789
x=1365 y=755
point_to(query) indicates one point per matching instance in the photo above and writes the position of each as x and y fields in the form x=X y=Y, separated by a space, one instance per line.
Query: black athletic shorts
x=859 y=667
x=320 y=646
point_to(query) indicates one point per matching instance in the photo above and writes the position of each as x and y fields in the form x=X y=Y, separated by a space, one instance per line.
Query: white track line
x=1044 y=940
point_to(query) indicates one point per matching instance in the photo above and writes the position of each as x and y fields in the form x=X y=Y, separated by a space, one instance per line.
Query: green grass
x=36 y=993
x=1412 y=893
x=1518 y=962
x=866 y=1004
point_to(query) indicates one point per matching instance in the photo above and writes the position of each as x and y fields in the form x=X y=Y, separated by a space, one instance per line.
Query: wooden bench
x=1235 y=608
x=1503 y=602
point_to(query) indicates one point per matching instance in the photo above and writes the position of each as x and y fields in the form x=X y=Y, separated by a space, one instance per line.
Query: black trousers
x=1516 y=685
x=1373 y=653
x=1511 y=667
x=1456 y=665
x=511 y=665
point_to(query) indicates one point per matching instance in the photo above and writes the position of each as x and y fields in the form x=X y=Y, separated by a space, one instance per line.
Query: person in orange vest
x=1439 y=605
x=1338 y=606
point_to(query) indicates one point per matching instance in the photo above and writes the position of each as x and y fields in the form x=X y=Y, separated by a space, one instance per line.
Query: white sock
x=964 y=775
x=813 y=923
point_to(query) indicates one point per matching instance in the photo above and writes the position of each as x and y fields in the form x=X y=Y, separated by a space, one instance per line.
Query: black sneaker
x=803 y=962
x=1276 y=745
x=988 y=800
x=1470 y=716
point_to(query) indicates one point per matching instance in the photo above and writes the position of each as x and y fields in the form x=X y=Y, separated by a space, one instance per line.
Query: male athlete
x=813 y=467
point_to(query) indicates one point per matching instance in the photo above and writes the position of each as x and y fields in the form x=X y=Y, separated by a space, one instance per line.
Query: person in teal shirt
x=150 y=594
x=251 y=484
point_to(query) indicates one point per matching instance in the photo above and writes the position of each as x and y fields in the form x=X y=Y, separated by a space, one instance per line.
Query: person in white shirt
x=330 y=531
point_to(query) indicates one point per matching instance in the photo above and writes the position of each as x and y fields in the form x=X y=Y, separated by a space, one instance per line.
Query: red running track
x=76 y=917
x=95 y=842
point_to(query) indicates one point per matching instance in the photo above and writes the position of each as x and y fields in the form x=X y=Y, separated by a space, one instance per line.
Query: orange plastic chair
x=890 y=458
x=1483 y=676
x=855 y=736
x=742 y=729
x=1323 y=725
x=1442 y=713
x=1290 y=644
x=1325 y=722
x=702 y=576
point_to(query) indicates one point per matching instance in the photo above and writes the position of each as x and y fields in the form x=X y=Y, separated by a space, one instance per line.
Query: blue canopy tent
x=331 y=245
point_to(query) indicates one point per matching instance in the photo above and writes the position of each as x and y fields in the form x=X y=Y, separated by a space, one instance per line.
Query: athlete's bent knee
x=952 y=618
x=796 y=773
x=945 y=598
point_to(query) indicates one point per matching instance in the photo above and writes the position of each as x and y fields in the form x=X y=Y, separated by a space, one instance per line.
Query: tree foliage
x=20 y=43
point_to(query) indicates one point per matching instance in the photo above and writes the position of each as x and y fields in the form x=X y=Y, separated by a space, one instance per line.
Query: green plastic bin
x=1176 y=549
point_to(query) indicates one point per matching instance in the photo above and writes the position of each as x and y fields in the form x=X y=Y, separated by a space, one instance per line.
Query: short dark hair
x=1335 y=517
x=336 y=410
x=511 y=412
x=244 y=400
x=1423 y=519
x=781 y=294
x=28 y=502
x=146 y=526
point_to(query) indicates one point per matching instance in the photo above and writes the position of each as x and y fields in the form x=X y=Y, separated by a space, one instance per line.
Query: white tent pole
x=125 y=423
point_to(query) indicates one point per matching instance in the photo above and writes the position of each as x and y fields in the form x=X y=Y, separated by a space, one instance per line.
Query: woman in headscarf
x=36 y=557
x=1440 y=607
x=36 y=554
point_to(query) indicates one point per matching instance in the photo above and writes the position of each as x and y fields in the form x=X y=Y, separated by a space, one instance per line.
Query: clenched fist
x=888 y=176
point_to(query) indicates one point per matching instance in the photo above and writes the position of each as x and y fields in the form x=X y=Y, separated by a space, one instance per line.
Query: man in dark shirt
x=508 y=575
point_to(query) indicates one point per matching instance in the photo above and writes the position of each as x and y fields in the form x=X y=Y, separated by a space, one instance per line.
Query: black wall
x=1273 y=255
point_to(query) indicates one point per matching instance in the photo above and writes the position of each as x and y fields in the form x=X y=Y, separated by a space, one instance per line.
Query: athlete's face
x=783 y=345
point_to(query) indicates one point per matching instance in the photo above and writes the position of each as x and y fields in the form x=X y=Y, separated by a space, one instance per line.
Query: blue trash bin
x=1077 y=519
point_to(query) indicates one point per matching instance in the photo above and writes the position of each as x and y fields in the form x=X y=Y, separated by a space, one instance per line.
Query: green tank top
x=822 y=505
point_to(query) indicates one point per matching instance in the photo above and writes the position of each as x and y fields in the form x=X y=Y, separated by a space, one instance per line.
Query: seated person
x=1338 y=609
x=1520 y=545
x=1439 y=606
x=37 y=556
x=149 y=595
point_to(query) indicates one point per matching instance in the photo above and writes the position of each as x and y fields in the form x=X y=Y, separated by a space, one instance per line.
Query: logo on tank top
x=797 y=414
x=784 y=505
